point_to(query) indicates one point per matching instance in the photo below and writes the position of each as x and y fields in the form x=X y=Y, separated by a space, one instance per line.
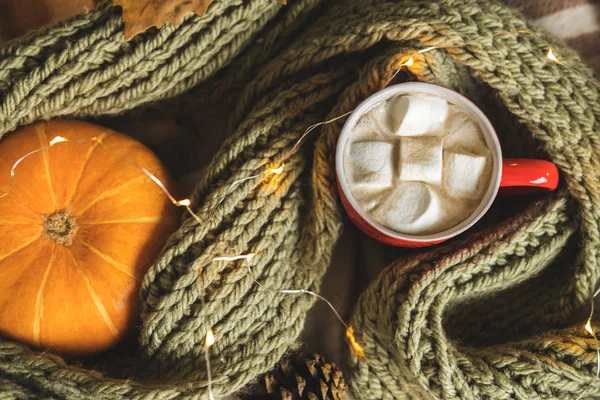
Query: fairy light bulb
x=409 y=62
x=588 y=327
x=551 y=56
x=58 y=139
x=278 y=170
x=210 y=339
x=184 y=203
x=208 y=342
x=356 y=348
x=246 y=257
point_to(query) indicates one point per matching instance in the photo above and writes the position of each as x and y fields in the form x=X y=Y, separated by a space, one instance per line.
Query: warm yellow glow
x=357 y=349
x=184 y=202
x=551 y=56
x=588 y=327
x=210 y=339
x=277 y=171
x=58 y=139
x=409 y=62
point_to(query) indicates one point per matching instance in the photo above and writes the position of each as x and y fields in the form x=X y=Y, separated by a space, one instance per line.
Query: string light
x=588 y=327
x=59 y=139
x=178 y=203
x=359 y=351
x=311 y=128
x=274 y=171
x=356 y=347
x=53 y=142
x=186 y=203
x=590 y=330
x=278 y=170
x=208 y=343
x=318 y=296
x=246 y=257
x=409 y=63
x=210 y=337
x=552 y=57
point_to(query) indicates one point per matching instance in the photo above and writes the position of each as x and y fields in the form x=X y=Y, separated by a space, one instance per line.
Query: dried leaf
x=139 y=15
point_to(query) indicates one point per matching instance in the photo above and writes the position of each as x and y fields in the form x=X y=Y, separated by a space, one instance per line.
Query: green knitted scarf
x=483 y=317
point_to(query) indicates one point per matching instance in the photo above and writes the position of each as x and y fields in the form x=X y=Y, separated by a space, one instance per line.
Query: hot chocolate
x=417 y=164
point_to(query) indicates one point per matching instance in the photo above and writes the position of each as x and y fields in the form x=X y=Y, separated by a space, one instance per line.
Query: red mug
x=509 y=177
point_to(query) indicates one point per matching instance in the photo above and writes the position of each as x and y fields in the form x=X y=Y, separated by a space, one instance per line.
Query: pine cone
x=305 y=376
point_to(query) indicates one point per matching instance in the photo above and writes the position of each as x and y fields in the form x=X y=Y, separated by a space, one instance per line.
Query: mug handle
x=522 y=176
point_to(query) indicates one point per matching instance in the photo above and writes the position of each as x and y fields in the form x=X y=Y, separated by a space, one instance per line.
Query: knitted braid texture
x=84 y=67
x=413 y=318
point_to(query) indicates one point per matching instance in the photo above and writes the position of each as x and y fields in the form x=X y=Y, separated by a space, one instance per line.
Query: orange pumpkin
x=77 y=233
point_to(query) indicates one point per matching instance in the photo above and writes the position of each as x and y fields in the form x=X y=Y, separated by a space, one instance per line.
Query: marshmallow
x=369 y=199
x=380 y=119
x=417 y=164
x=371 y=164
x=412 y=208
x=465 y=175
x=421 y=159
x=414 y=115
x=465 y=135
x=366 y=129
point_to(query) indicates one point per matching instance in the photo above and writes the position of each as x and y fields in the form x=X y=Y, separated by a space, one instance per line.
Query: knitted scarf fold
x=471 y=319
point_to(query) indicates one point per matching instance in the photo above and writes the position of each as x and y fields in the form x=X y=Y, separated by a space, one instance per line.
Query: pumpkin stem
x=60 y=227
